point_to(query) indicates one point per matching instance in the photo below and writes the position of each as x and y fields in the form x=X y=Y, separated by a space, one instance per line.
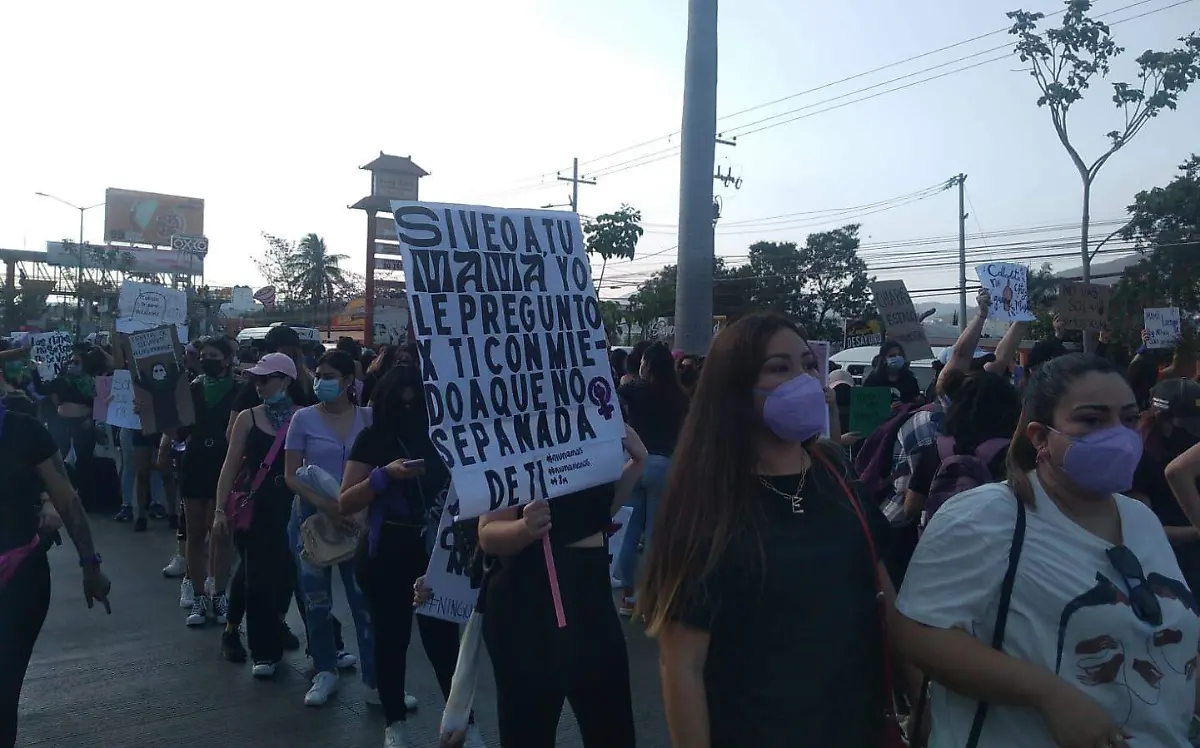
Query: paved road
x=141 y=678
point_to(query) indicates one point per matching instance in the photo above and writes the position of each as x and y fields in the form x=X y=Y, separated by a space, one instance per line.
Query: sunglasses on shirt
x=1142 y=599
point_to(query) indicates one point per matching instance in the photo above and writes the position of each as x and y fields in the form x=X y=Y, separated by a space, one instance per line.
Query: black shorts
x=144 y=441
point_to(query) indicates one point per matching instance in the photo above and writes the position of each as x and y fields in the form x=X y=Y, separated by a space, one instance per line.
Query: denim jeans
x=647 y=495
x=128 y=473
x=316 y=586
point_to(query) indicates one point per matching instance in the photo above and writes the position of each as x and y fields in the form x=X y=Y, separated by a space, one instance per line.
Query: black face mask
x=212 y=367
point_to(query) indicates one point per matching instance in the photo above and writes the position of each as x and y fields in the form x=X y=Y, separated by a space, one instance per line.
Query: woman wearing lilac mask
x=761 y=586
x=1053 y=598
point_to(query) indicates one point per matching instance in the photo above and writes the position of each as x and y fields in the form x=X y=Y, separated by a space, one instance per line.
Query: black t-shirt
x=248 y=398
x=795 y=656
x=379 y=444
x=656 y=420
x=1150 y=480
x=24 y=444
x=906 y=384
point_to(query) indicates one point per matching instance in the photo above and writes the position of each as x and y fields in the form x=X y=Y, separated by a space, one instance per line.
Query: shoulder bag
x=239 y=505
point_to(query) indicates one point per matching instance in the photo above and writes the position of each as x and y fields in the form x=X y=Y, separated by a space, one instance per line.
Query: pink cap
x=274 y=363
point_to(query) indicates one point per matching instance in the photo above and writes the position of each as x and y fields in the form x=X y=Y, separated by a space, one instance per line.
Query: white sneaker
x=175 y=568
x=474 y=738
x=221 y=608
x=264 y=670
x=201 y=610
x=324 y=686
x=410 y=701
x=346 y=660
x=187 y=594
x=395 y=736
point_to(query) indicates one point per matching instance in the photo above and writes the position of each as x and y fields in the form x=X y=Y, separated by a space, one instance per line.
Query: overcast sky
x=266 y=109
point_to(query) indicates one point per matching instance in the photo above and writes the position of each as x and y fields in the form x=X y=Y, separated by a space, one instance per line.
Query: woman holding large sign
x=764 y=586
x=537 y=664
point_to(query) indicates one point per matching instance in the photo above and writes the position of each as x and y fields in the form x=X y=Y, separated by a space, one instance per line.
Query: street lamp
x=79 y=249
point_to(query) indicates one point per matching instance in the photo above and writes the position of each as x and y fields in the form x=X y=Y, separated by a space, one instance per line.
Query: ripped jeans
x=316 y=585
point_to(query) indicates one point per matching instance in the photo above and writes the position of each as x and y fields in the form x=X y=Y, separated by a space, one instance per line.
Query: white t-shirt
x=1069 y=613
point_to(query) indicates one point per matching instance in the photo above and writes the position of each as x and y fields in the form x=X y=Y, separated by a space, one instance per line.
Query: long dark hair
x=633 y=362
x=341 y=361
x=881 y=366
x=710 y=492
x=984 y=407
x=389 y=409
x=1046 y=388
x=663 y=380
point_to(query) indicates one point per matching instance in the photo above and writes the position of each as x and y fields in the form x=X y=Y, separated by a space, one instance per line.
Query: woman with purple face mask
x=1051 y=611
x=761 y=586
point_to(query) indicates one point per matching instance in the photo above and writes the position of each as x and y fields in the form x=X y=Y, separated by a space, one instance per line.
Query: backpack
x=957 y=473
x=874 y=459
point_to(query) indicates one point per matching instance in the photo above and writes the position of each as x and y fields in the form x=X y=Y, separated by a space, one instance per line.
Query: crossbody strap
x=272 y=454
x=888 y=678
x=1006 y=590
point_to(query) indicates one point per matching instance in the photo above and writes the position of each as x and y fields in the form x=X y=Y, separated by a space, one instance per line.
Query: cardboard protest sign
x=100 y=402
x=142 y=306
x=620 y=521
x=120 y=412
x=1162 y=327
x=160 y=381
x=52 y=351
x=513 y=349
x=1008 y=284
x=449 y=573
x=869 y=407
x=900 y=319
x=861 y=333
x=1083 y=306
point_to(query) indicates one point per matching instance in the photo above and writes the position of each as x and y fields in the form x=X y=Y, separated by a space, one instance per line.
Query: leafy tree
x=1064 y=61
x=655 y=296
x=1165 y=223
x=315 y=275
x=613 y=235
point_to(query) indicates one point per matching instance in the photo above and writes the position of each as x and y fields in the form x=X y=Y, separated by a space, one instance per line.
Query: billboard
x=150 y=218
x=125 y=259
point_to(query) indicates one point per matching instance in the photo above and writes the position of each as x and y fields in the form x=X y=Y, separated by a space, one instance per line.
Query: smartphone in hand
x=414 y=464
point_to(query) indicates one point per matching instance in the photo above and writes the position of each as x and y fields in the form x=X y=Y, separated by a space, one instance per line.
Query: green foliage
x=1043 y=295
x=655 y=296
x=613 y=235
x=1165 y=223
x=315 y=275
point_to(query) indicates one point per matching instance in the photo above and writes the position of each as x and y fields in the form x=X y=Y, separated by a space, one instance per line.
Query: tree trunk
x=1089 y=338
x=603 y=265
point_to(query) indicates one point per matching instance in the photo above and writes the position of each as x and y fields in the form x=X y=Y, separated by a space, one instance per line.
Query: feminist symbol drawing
x=600 y=393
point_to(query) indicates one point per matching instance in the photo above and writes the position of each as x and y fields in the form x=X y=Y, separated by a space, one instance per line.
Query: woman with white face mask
x=1050 y=611
x=257 y=511
x=892 y=370
x=764 y=587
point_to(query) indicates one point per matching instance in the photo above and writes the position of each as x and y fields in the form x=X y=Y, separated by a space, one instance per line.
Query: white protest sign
x=1162 y=327
x=144 y=305
x=120 y=403
x=621 y=521
x=449 y=574
x=151 y=343
x=52 y=351
x=1008 y=284
x=513 y=349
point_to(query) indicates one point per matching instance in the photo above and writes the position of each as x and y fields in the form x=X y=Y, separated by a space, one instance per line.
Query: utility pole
x=575 y=182
x=694 y=283
x=962 y=253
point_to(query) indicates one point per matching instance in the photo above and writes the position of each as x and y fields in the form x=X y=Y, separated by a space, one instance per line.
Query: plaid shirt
x=919 y=431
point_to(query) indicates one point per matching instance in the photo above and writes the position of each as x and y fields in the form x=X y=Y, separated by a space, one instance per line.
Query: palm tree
x=316 y=274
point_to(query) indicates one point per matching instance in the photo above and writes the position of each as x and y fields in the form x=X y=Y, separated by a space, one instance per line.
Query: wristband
x=92 y=560
x=379 y=480
x=1143 y=350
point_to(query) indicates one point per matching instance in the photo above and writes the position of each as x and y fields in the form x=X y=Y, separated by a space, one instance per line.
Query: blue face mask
x=278 y=398
x=895 y=363
x=327 y=390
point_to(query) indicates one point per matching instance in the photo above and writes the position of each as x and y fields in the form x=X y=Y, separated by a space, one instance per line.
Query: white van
x=857 y=361
x=252 y=335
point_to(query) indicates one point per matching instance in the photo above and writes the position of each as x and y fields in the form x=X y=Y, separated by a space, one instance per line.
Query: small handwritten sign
x=1008 y=284
x=1162 y=327
x=869 y=407
x=120 y=402
x=1083 y=306
x=52 y=351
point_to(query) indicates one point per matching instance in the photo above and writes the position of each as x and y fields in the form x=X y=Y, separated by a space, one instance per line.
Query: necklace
x=795 y=498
